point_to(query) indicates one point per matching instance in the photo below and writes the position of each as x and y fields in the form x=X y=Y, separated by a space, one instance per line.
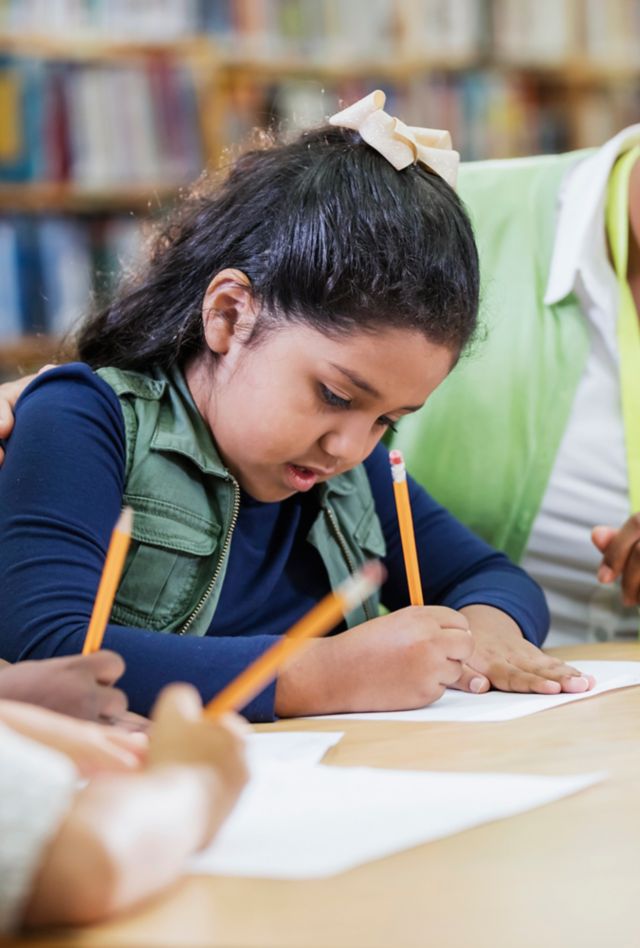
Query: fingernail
x=578 y=683
x=605 y=574
x=477 y=684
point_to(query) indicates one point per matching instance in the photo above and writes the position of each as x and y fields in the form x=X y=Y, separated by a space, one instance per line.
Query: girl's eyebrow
x=365 y=386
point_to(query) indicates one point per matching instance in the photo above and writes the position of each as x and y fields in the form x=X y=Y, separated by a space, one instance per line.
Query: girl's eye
x=337 y=402
x=387 y=423
x=332 y=399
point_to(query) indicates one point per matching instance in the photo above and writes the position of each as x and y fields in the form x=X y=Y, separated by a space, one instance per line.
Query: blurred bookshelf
x=110 y=108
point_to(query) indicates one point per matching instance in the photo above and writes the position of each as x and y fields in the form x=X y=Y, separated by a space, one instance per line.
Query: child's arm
x=399 y=661
x=93 y=748
x=126 y=837
x=506 y=609
x=61 y=489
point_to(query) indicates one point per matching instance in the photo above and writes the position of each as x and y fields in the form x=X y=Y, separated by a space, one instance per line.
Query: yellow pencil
x=111 y=572
x=323 y=617
x=407 y=535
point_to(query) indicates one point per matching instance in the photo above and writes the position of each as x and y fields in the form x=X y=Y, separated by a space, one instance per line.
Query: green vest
x=186 y=505
x=485 y=443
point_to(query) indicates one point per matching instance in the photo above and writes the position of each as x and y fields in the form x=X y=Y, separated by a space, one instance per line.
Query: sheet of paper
x=303 y=747
x=299 y=822
x=503 y=706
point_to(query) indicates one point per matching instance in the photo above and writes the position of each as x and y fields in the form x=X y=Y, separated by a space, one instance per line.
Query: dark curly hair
x=330 y=235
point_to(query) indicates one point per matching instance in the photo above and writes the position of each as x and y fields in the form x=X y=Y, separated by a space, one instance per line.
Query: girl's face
x=299 y=408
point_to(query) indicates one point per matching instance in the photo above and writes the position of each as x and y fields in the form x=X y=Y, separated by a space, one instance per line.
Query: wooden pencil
x=111 y=573
x=407 y=534
x=323 y=617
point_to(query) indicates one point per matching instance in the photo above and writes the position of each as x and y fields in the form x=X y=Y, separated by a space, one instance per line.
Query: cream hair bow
x=400 y=144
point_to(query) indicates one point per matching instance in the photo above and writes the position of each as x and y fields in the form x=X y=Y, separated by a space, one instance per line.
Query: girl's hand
x=181 y=736
x=10 y=392
x=504 y=660
x=402 y=660
x=94 y=748
x=621 y=549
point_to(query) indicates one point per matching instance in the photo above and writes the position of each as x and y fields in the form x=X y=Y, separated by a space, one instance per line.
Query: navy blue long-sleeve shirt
x=61 y=489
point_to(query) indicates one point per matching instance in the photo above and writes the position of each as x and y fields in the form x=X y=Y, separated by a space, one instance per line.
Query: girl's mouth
x=300 y=478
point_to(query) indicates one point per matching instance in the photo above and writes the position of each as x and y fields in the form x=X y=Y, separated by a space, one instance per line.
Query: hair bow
x=402 y=145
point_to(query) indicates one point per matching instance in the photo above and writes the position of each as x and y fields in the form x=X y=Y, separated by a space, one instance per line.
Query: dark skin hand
x=621 y=557
x=620 y=547
x=78 y=685
x=9 y=394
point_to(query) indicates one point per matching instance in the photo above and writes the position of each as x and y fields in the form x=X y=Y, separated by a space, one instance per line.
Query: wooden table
x=566 y=875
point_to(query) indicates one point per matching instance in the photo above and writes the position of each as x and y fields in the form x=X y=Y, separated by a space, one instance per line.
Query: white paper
x=299 y=822
x=303 y=747
x=504 y=706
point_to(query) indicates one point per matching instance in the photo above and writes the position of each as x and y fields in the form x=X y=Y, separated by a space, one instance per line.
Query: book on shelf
x=438 y=29
x=611 y=32
x=489 y=115
x=98 y=125
x=52 y=268
x=536 y=32
x=11 y=321
x=142 y=20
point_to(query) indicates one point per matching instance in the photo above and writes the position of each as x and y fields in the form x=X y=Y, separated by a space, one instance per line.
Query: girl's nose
x=348 y=443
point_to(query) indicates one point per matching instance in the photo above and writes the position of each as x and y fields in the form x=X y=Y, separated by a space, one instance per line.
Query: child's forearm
x=124 y=838
x=394 y=662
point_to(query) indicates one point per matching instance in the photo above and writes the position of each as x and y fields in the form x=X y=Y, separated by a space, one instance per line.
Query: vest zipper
x=225 y=549
x=342 y=543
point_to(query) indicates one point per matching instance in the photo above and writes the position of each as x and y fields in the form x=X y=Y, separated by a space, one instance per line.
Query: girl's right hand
x=399 y=661
x=180 y=737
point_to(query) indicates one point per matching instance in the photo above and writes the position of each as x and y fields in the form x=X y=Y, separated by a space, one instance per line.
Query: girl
x=235 y=397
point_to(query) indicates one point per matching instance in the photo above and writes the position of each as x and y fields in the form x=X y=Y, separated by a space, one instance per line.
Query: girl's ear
x=228 y=310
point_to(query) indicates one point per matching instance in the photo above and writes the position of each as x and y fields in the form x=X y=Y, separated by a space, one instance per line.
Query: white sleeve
x=37 y=787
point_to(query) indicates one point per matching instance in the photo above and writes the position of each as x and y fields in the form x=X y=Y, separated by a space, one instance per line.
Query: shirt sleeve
x=457 y=568
x=37 y=787
x=61 y=489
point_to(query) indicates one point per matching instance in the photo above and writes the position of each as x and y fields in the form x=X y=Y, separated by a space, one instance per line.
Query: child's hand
x=181 y=736
x=79 y=685
x=94 y=748
x=10 y=392
x=402 y=660
x=621 y=549
x=503 y=659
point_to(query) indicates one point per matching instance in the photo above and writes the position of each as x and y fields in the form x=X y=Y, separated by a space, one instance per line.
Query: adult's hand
x=620 y=550
x=10 y=392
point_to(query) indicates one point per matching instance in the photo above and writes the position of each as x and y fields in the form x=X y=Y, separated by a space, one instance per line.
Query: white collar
x=580 y=249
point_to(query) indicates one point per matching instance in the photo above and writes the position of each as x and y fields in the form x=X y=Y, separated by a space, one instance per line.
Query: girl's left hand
x=504 y=660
